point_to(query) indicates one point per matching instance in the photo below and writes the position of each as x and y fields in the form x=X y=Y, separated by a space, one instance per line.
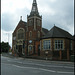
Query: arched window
x=38 y=22
x=20 y=34
x=30 y=22
x=30 y=34
x=38 y=34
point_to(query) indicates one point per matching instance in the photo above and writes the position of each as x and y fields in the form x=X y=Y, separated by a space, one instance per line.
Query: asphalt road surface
x=21 y=66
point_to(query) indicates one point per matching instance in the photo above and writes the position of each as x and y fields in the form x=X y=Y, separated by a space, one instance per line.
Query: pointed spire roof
x=34 y=1
x=34 y=10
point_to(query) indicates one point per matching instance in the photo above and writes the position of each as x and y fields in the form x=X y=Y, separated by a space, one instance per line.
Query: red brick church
x=30 y=39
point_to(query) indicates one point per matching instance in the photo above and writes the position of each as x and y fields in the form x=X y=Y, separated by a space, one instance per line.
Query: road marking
x=42 y=65
x=8 y=60
x=34 y=68
x=65 y=72
x=39 y=69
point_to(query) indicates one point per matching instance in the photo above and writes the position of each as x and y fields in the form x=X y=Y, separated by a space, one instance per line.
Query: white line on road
x=65 y=72
x=34 y=68
x=43 y=65
x=39 y=69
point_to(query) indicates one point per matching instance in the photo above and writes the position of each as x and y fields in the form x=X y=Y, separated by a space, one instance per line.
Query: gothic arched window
x=38 y=34
x=38 y=22
x=30 y=22
x=30 y=34
x=20 y=34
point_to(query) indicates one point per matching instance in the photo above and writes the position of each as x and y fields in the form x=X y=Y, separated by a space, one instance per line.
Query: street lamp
x=46 y=53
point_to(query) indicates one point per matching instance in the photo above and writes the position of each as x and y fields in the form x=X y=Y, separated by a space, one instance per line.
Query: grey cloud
x=9 y=21
x=63 y=17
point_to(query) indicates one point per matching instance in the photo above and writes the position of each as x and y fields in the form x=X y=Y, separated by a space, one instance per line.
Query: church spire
x=34 y=9
x=34 y=1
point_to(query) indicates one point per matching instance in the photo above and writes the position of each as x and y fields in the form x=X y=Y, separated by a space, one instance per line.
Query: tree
x=5 y=47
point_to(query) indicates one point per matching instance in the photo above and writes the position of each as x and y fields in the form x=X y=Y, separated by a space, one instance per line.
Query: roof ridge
x=53 y=30
x=45 y=28
x=64 y=32
x=62 y=29
x=59 y=29
x=58 y=32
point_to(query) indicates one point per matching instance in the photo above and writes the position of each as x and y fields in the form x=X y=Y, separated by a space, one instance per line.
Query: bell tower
x=34 y=26
x=34 y=19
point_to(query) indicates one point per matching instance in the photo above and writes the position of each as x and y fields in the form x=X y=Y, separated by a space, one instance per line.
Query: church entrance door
x=20 y=50
x=38 y=50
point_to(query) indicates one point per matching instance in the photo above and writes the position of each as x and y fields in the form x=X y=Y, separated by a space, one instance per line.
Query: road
x=21 y=66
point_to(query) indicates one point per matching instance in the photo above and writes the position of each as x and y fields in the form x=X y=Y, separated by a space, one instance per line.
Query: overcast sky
x=58 y=12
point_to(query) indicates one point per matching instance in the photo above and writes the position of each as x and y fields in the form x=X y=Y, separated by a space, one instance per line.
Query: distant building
x=30 y=39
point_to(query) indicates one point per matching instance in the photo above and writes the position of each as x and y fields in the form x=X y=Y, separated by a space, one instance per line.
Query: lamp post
x=46 y=53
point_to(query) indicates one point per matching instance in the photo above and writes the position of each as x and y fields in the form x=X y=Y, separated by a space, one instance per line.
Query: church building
x=30 y=39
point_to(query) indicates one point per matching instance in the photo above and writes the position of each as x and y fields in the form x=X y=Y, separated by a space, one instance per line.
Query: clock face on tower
x=30 y=41
x=34 y=8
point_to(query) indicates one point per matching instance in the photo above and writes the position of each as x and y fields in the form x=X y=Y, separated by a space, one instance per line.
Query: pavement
x=11 y=56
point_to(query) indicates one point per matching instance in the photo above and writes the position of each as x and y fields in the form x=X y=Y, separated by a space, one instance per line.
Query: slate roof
x=44 y=31
x=57 y=32
x=22 y=22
